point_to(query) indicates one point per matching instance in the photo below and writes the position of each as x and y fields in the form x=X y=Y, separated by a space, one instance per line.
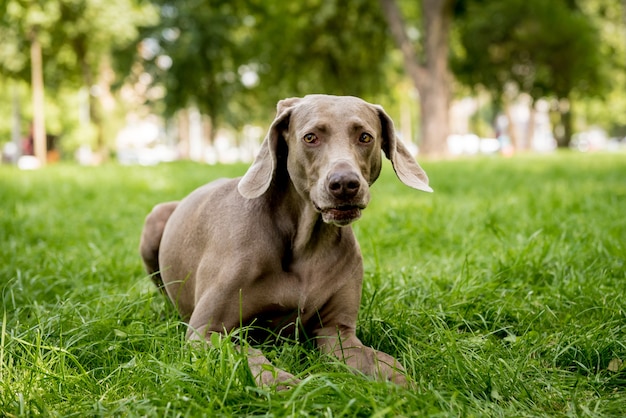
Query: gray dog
x=274 y=248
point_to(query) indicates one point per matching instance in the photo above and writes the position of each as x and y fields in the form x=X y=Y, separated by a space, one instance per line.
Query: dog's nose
x=344 y=185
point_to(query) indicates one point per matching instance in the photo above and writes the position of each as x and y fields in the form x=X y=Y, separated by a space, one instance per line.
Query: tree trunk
x=209 y=134
x=16 y=125
x=39 y=120
x=435 y=95
x=511 y=127
x=432 y=79
x=530 y=131
x=397 y=28
x=93 y=97
x=183 y=134
x=568 y=128
x=564 y=130
x=434 y=105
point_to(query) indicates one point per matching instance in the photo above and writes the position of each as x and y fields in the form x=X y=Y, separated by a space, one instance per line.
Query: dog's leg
x=348 y=348
x=264 y=372
x=151 y=239
x=336 y=335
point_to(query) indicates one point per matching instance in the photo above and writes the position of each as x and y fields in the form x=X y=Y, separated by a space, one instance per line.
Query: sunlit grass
x=503 y=293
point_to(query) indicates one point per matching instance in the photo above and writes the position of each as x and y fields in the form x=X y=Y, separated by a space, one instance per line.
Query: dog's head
x=330 y=148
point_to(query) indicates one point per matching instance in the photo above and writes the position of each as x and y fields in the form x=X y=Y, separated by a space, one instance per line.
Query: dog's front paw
x=266 y=374
x=273 y=377
x=388 y=368
x=377 y=364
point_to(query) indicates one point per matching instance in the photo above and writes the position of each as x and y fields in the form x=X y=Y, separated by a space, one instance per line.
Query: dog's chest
x=295 y=282
x=298 y=295
x=312 y=281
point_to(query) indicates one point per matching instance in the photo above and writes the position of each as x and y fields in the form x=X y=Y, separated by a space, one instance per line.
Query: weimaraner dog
x=274 y=248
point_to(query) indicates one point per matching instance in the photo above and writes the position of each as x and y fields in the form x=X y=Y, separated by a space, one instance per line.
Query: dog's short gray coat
x=275 y=248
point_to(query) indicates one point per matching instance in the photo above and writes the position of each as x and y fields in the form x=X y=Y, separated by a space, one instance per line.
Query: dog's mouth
x=341 y=215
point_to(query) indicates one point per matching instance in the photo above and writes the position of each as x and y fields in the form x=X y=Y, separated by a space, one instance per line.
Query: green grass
x=503 y=293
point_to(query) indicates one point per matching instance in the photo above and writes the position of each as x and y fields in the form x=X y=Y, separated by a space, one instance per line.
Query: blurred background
x=145 y=81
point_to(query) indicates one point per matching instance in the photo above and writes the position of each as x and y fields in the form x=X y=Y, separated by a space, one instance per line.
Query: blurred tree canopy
x=77 y=38
x=233 y=60
x=76 y=35
x=608 y=109
x=542 y=48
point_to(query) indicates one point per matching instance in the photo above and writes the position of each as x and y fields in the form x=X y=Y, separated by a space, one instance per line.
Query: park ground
x=502 y=293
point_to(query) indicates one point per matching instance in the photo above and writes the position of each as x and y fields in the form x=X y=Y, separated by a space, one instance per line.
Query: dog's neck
x=299 y=221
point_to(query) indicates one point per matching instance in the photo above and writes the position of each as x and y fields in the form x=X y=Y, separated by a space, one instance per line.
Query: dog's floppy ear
x=259 y=176
x=405 y=166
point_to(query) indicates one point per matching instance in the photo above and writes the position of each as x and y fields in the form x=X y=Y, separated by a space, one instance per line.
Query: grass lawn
x=503 y=294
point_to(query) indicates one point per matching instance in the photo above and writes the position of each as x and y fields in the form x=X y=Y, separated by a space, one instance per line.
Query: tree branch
x=415 y=71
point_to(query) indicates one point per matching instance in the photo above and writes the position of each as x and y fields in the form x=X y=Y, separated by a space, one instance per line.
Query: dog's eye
x=365 y=138
x=310 y=138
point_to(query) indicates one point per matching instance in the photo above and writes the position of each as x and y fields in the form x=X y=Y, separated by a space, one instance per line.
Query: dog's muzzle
x=346 y=196
x=341 y=215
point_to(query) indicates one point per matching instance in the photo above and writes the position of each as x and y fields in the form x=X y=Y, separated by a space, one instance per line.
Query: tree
x=68 y=40
x=428 y=70
x=330 y=46
x=542 y=48
x=23 y=24
x=230 y=59
x=90 y=32
x=608 y=110
x=196 y=52
x=39 y=121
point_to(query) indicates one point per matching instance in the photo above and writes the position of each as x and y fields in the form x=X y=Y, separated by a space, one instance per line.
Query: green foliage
x=609 y=111
x=545 y=47
x=332 y=42
x=77 y=39
x=205 y=41
x=235 y=59
x=73 y=33
x=502 y=293
x=287 y=48
x=19 y=22
x=60 y=121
